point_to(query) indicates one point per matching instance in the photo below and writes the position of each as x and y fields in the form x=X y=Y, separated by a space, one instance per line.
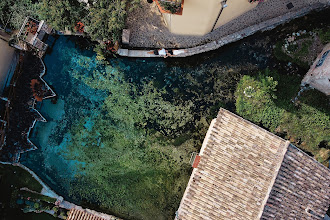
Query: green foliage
x=324 y=36
x=306 y=126
x=61 y=14
x=99 y=49
x=279 y=54
x=37 y=196
x=304 y=50
x=258 y=106
x=15 y=12
x=308 y=123
x=55 y=209
x=36 y=206
x=297 y=54
x=106 y=19
x=18 y=177
x=169 y=6
x=13 y=178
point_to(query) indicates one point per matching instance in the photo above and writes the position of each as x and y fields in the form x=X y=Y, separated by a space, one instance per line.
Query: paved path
x=305 y=6
x=148 y=30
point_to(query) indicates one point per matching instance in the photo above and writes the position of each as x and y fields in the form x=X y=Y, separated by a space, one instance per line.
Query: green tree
x=107 y=18
x=306 y=125
x=255 y=100
x=61 y=14
x=14 y=12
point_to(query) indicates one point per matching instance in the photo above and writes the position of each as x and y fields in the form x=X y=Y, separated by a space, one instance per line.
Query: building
x=76 y=214
x=199 y=17
x=318 y=76
x=246 y=172
x=34 y=33
x=82 y=214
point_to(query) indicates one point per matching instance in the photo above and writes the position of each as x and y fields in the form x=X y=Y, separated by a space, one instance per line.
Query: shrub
x=255 y=100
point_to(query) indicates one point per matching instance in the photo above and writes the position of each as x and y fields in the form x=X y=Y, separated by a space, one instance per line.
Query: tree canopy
x=305 y=124
x=61 y=14
x=14 y=12
x=255 y=100
x=106 y=19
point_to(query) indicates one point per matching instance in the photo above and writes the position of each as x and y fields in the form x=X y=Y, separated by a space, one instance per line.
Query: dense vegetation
x=12 y=180
x=13 y=13
x=103 y=20
x=302 y=47
x=130 y=170
x=62 y=14
x=266 y=99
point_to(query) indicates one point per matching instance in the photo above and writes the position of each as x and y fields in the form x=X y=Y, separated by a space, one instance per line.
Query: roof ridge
x=287 y=143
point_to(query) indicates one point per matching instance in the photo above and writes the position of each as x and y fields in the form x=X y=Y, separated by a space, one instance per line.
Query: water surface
x=119 y=137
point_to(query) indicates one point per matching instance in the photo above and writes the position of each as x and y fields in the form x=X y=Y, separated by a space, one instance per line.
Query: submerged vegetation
x=128 y=151
x=131 y=170
x=136 y=151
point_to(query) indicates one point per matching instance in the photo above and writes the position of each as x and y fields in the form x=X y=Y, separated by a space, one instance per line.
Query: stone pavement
x=235 y=32
x=148 y=30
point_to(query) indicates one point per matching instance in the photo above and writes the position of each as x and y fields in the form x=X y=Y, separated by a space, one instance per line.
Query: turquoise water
x=74 y=100
x=88 y=110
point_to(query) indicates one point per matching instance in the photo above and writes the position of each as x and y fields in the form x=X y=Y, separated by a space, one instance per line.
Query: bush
x=324 y=36
x=306 y=125
x=36 y=206
x=255 y=100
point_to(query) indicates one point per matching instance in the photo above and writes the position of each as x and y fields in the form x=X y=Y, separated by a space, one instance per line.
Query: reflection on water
x=120 y=136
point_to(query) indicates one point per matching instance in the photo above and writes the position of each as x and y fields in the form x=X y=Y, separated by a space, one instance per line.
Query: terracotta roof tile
x=301 y=183
x=76 y=214
x=246 y=172
x=239 y=162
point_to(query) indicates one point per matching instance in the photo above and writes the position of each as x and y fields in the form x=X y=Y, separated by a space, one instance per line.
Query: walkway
x=148 y=30
x=265 y=16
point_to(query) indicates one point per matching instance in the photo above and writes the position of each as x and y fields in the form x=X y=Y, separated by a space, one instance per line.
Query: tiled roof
x=302 y=184
x=245 y=172
x=76 y=214
x=238 y=166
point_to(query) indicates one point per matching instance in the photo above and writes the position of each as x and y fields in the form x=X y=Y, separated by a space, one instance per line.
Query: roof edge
x=251 y=123
x=206 y=139
x=304 y=153
x=278 y=167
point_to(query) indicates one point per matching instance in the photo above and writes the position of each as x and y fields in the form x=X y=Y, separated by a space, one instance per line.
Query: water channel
x=119 y=137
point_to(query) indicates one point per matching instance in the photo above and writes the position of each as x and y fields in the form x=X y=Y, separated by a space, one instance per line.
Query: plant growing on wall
x=172 y=7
